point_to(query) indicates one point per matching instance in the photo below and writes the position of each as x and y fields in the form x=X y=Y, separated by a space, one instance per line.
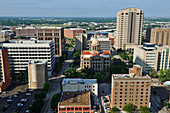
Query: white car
x=9 y=100
x=31 y=90
x=23 y=100
x=28 y=94
x=27 y=111
x=20 y=105
x=15 y=96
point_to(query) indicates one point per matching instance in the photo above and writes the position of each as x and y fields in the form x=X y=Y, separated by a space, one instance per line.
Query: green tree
x=76 y=58
x=167 y=74
x=54 y=101
x=113 y=110
x=161 y=76
x=107 y=77
x=70 y=72
x=129 y=108
x=23 y=77
x=154 y=92
x=153 y=73
x=46 y=86
x=144 y=109
x=98 y=76
x=167 y=105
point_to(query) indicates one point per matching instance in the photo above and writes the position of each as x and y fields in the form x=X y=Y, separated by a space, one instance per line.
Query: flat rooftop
x=74 y=29
x=128 y=76
x=46 y=27
x=100 y=39
x=28 y=42
x=79 y=81
x=75 y=99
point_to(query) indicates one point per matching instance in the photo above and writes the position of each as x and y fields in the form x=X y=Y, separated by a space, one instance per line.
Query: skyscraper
x=129 y=28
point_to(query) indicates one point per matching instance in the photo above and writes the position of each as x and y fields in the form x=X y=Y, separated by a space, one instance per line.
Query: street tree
x=144 y=109
x=129 y=108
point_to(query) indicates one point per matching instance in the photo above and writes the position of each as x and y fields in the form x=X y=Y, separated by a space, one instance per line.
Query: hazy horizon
x=78 y=8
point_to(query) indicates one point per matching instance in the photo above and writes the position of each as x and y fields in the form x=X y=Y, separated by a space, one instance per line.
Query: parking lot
x=16 y=101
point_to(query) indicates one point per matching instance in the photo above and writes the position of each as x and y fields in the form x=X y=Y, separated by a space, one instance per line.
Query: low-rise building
x=37 y=74
x=71 y=32
x=22 y=51
x=81 y=41
x=75 y=102
x=104 y=42
x=25 y=31
x=78 y=84
x=150 y=56
x=5 y=78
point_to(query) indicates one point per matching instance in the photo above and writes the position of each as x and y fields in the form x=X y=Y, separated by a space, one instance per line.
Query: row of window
x=76 y=108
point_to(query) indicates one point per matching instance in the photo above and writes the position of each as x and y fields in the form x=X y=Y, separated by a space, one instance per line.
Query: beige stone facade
x=160 y=36
x=129 y=28
x=37 y=74
x=56 y=34
x=95 y=59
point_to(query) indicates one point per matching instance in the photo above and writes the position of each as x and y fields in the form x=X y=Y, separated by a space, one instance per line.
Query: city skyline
x=55 y=8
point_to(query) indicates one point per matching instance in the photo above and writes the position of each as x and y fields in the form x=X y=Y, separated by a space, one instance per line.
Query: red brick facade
x=71 y=33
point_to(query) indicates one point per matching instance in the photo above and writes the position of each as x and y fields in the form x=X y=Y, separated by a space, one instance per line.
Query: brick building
x=75 y=102
x=5 y=78
x=71 y=32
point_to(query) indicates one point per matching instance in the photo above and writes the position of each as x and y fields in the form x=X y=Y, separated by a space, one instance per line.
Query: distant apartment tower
x=127 y=88
x=81 y=41
x=71 y=32
x=160 y=36
x=22 y=51
x=129 y=28
x=78 y=84
x=37 y=74
x=104 y=43
x=56 y=34
x=75 y=102
x=148 y=34
x=25 y=31
x=5 y=78
x=149 y=57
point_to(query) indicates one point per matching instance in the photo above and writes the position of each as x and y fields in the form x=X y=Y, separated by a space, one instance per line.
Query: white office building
x=22 y=51
x=104 y=43
x=78 y=84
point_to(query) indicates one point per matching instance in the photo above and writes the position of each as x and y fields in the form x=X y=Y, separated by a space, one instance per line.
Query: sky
x=81 y=8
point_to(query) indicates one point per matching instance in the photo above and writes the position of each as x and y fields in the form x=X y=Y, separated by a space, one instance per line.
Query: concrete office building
x=25 y=31
x=95 y=58
x=22 y=51
x=75 y=102
x=5 y=78
x=37 y=74
x=71 y=32
x=149 y=57
x=78 y=84
x=129 y=88
x=129 y=28
x=104 y=43
x=81 y=41
x=160 y=36
x=56 y=34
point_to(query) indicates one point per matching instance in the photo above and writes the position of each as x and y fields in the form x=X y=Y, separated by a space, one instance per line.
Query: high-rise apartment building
x=129 y=88
x=160 y=36
x=5 y=78
x=78 y=84
x=22 y=51
x=56 y=34
x=81 y=41
x=149 y=57
x=129 y=28
x=37 y=74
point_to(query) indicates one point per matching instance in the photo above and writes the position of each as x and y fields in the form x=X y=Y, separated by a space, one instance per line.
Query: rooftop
x=28 y=42
x=36 y=62
x=75 y=99
x=100 y=39
x=75 y=29
x=78 y=81
x=46 y=27
x=128 y=76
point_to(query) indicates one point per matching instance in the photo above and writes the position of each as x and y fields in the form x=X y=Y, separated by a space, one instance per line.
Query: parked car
x=28 y=94
x=15 y=96
x=16 y=110
x=31 y=90
x=20 y=105
x=27 y=111
x=9 y=100
x=23 y=100
x=10 y=97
